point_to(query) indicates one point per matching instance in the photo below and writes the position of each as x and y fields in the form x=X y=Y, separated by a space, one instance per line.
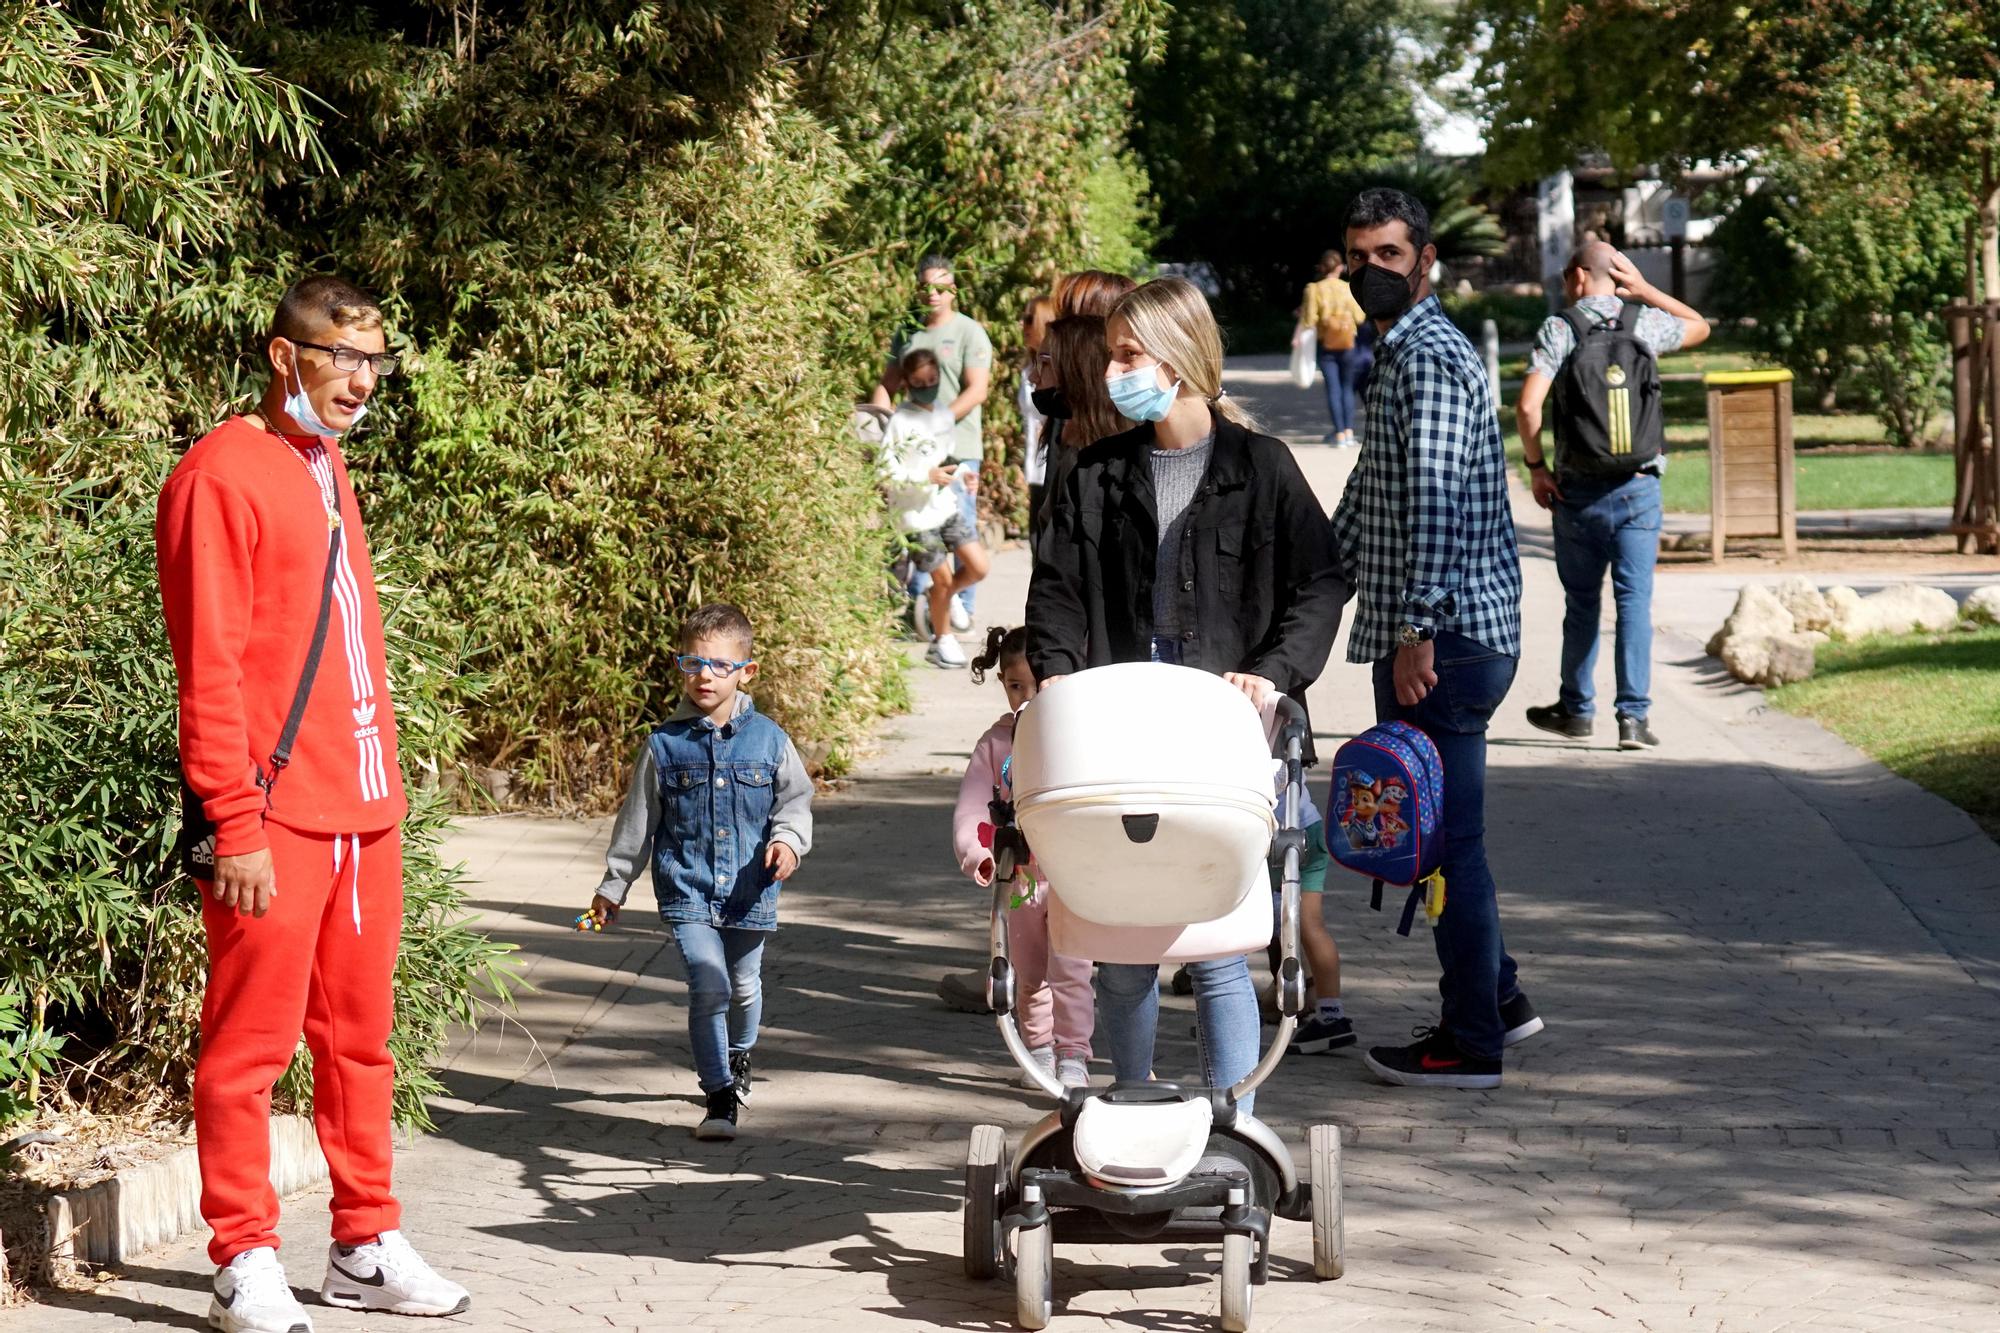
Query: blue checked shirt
x=1424 y=532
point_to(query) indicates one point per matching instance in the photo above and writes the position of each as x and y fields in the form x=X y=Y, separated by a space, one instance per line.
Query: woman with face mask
x=1193 y=539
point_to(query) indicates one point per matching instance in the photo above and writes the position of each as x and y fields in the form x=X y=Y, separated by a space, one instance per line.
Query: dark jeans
x=1478 y=976
x=1616 y=526
x=1342 y=372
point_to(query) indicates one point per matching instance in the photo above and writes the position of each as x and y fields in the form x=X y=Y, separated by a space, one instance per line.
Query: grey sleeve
x=632 y=833
x=792 y=821
x=1553 y=343
x=1659 y=330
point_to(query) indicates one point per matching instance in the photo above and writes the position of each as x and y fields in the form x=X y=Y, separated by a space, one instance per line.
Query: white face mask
x=300 y=409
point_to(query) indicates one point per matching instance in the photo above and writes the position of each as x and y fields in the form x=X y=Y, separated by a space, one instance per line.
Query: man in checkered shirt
x=1426 y=534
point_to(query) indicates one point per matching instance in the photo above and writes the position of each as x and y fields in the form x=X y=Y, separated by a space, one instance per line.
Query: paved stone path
x=1766 y=1099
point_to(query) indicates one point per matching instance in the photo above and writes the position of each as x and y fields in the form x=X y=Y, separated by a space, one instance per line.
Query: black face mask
x=1052 y=403
x=1382 y=293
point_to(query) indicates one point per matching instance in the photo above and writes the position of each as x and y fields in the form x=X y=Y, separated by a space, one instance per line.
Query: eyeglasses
x=350 y=359
x=693 y=666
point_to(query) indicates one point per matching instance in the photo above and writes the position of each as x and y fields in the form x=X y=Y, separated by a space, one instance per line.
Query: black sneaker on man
x=1315 y=1034
x=1432 y=1061
x=739 y=1070
x=720 y=1122
x=1518 y=1020
x=1561 y=721
x=1634 y=734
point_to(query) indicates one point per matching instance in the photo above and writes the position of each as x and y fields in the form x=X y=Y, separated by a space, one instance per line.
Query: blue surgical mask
x=1139 y=396
x=300 y=409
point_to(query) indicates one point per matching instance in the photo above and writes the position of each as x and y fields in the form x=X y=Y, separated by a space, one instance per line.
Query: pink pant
x=1057 y=1005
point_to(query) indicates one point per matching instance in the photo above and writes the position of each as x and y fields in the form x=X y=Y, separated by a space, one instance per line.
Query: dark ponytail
x=1001 y=644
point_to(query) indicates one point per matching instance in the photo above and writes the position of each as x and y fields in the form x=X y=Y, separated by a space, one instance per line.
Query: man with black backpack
x=1599 y=360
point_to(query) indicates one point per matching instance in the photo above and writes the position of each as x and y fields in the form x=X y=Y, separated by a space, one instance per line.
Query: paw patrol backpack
x=1383 y=811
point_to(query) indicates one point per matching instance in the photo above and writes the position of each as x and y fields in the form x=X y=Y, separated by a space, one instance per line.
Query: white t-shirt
x=1032 y=424
x=916 y=440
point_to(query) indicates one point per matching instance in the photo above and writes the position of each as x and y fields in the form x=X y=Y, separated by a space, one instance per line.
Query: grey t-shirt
x=959 y=344
x=1177 y=474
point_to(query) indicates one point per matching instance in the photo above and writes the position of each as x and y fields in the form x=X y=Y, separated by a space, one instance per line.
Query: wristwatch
x=1409 y=636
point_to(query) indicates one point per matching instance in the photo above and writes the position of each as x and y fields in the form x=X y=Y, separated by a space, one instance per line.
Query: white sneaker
x=389 y=1275
x=252 y=1295
x=1073 y=1072
x=945 y=653
x=1045 y=1058
x=961 y=619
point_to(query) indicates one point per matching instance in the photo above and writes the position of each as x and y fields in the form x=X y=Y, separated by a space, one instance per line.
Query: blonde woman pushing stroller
x=1194 y=540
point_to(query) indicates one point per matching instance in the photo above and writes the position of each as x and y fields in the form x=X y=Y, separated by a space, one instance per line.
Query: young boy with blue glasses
x=721 y=807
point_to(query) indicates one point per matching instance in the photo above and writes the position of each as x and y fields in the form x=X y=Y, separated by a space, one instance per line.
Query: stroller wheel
x=1328 y=1215
x=1034 y=1276
x=985 y=1199
x=1238 y=1253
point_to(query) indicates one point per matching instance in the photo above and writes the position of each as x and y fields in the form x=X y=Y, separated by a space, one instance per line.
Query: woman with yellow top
x=1331 y=312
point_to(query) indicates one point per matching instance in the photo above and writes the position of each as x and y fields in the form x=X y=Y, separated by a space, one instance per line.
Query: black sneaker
x=720 y=1122
x=1315 y=1034
x=1561 y=721
x=1634 y=734
x=739 y=1069
x=1518 y=1020
x=1432 y=1061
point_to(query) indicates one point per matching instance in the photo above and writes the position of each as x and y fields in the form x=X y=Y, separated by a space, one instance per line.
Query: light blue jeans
x=1226 y=1022
x=725 y=994
x=1613 y=526
x=968 y=509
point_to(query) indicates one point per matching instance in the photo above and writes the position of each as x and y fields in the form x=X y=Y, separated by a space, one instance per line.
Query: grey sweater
x=1177 y=475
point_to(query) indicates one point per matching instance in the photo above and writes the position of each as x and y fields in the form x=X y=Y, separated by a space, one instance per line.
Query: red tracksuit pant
x=321 y=962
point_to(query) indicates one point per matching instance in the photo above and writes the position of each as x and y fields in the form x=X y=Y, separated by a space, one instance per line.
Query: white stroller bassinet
x=1146 y=793
x=1143 y=793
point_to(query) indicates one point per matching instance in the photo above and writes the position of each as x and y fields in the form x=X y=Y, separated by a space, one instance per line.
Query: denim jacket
x=704 y=805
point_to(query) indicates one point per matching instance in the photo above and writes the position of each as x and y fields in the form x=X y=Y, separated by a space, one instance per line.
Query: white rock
x=1904 y=609
x=1806 y=603
x=1757 y=612
x=1770 y=659
x=1983 y=606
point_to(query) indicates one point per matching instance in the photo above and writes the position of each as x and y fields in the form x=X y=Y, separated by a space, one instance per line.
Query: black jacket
x=1256 y=564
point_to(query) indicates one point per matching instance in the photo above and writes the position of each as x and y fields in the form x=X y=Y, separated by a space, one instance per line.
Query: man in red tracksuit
x=305 y=907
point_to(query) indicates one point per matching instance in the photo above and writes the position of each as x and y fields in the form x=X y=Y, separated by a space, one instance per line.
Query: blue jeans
x=1478 y=976
x=1225 y=1009
x=1614 y=524
x=725 y=994
x=1341 y=372
x=968 y=509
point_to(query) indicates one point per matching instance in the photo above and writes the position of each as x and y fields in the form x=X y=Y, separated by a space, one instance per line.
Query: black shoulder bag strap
x=281 y=757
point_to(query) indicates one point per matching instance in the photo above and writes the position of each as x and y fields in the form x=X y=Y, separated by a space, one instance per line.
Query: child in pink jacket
x=1057 y=1006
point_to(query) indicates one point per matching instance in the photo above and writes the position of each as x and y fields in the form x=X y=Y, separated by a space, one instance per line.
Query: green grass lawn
x=1843 y=480
x=1928 y=706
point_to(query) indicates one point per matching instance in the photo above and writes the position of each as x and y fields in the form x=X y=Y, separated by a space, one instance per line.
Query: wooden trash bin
x=1752 y=487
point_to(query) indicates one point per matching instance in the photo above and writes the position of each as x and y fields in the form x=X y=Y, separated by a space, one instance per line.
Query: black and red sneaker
x=1432 y=1061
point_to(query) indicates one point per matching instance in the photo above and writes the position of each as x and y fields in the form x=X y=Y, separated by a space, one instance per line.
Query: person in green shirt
x=965 y=377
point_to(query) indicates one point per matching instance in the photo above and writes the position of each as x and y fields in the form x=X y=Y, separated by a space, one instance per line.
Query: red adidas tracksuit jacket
x=242 y=537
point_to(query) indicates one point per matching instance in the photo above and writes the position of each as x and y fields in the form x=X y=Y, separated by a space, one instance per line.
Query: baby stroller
x=1145 y=793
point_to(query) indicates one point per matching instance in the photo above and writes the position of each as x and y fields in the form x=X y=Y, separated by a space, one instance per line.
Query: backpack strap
x=1573 y=316
x=1410 y=906
x=1628 y=317
x=281 y=756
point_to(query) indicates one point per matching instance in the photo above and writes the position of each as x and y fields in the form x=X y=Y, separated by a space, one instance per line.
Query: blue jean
x=1478 y=976
x=1614 y=525
x=1341 y=372
x=725 y=994
x=1226 y=1022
